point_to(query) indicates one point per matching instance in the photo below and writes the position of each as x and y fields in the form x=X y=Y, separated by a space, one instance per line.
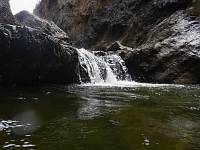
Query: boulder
x=171 y=53
x=49 y=27
x=30 y=57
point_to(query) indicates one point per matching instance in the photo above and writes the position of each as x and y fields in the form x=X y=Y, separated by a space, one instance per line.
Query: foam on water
x=95 y=68
x=129 y=84
x=108 y=71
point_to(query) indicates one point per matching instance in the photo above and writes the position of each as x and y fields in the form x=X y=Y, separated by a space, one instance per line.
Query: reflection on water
x=88 y=117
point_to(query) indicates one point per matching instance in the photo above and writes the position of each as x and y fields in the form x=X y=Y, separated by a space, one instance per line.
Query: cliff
x=97 y=23
x=171 y=53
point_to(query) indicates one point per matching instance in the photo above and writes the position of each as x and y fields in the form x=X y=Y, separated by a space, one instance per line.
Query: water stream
x=108 y=69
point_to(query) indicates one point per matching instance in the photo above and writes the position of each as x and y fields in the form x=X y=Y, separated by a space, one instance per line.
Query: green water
x=100 y=118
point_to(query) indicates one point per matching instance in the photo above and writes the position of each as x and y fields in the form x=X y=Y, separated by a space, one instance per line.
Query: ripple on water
x=9 y=124
x=8 y=127
x=11 y=145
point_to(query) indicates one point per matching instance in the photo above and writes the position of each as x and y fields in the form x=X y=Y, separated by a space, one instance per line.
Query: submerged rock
x=30 y=57
x=171 y=53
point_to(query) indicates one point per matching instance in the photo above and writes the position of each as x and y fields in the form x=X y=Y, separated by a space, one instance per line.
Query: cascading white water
x=102 y=69
x=118 y=67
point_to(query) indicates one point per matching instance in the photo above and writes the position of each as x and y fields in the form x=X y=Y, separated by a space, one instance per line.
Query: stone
x=30 y=57
x=171 y=53
x=27 y=19
x=115 y=46
x=99 y=53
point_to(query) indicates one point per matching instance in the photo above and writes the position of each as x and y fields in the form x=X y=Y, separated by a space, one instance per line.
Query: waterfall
x=101 y=69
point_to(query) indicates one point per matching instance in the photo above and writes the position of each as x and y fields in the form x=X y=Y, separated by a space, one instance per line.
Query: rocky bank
x=31 y=57
x=35 y=52
x=171 y=53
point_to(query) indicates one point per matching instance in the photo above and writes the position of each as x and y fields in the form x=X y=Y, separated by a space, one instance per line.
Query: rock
x=58 y=11
x=99 y=53
x=31 y=57
x=115 y=46
x=171 y=53
x=48 y=27
x=5 y=13
x=97 y=23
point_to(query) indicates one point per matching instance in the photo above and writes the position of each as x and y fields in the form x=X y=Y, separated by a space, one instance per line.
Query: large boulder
x=5 y=13
x=171 y=53
x=59 y=11
x=31 y=57
x=27 y=19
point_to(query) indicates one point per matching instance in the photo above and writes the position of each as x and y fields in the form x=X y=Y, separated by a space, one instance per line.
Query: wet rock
x=99 y=53
x=73 y=14
x=30 y=57
x=5 y=13
x=48 y=27
x=171 y=53
x=115 y=46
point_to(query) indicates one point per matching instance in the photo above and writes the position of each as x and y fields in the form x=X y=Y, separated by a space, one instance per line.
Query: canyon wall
x=96 y=24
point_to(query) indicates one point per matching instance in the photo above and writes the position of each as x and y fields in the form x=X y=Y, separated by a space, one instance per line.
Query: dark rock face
x=48 y=27
x=94 y=24
x=171 y=53
x=73 y=14
x=5 y=13
x=30 y=57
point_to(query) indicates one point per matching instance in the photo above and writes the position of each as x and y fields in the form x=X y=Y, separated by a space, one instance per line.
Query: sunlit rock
x=171 y=53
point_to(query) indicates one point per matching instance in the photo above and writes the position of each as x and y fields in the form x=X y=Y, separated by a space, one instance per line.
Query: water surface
x=97 y=117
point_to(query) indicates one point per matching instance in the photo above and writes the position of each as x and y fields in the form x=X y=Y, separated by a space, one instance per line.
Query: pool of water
x=101 y=117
